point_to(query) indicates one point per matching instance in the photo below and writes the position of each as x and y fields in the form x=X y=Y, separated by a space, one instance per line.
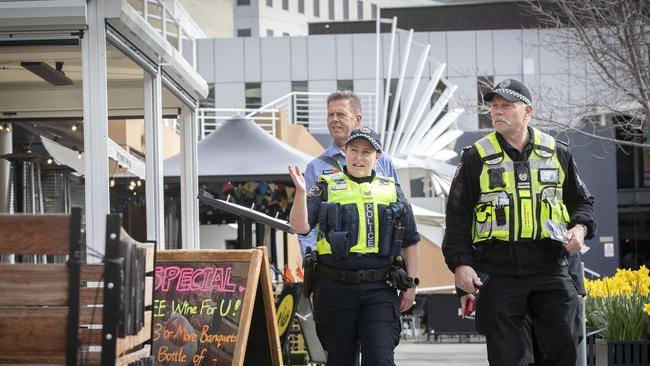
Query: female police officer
x=363 y=223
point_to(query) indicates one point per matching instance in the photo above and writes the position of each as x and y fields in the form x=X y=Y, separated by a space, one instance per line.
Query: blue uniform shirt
x=318 y=167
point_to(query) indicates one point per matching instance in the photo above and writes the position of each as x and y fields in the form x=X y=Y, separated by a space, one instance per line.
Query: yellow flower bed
x=620 y=305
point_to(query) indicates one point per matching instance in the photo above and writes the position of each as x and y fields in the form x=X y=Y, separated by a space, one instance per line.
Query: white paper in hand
x=558 y=231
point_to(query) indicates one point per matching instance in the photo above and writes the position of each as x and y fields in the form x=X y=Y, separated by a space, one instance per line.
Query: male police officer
x=508 y=187
x=363 y=222
x=343 y=116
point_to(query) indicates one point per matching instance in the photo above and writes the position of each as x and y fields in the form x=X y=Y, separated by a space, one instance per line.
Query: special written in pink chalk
x=205 y=279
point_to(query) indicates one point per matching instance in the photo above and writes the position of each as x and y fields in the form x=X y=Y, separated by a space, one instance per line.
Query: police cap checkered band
x=365 y=133
x=511 y=90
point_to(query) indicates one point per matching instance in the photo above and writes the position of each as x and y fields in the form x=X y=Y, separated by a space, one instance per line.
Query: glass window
x=269 y=3
x=285 y=4
x=373 y=11
x=209 y=101
x=484 y=86
x=301 y=6
x=331 y=9
x=285 y=34
x=269 y=32
x=301 y=110
x=244 y=32
x=253 y=95
x=360 y=10
x=243 y=2
x=346 y=9
x=317 y=8
x=345 y=85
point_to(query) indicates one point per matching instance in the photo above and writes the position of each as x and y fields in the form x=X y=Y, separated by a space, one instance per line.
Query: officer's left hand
x=574 y=239
x=406 y=299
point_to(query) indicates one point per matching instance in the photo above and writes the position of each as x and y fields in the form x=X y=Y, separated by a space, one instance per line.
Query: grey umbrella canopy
x=241 y=148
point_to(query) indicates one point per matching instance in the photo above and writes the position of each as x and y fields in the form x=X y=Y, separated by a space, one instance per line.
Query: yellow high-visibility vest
x=366 y=196
x=518 y=197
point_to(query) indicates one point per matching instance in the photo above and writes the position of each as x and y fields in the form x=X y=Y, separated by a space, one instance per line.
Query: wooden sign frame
x=257 y=305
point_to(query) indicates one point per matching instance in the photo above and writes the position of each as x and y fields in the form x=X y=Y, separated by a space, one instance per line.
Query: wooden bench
x=39 y=308
x=52 y=314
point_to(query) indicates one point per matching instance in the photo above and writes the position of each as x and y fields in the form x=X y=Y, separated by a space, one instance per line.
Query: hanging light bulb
x=79 y=155
x=29 y=151
x=132 y=183
x=139 y=183
x=135 y=193
x=49 y=161
x=1 y=128
x=7 y=128
x=131 y=187
x=73 y=127
x=111 y=183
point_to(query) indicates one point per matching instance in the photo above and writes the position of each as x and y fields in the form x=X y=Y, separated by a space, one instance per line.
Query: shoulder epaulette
x=468 y=147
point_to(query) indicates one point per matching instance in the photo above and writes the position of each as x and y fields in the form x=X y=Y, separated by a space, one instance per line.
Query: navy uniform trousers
x=351 y=314
x=549 y=298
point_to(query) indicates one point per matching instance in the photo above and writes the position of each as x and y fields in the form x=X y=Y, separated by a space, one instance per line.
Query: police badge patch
x=315 y=191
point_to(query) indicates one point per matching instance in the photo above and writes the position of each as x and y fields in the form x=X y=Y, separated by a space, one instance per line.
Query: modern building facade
x=273 y=18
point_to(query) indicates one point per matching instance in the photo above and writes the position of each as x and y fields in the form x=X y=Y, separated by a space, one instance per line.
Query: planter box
x=622 y=353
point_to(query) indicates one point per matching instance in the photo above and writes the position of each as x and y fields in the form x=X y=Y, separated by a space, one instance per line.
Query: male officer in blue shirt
x=343 y=116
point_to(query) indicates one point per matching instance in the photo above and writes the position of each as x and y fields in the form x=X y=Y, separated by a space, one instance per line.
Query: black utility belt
x=364 y=275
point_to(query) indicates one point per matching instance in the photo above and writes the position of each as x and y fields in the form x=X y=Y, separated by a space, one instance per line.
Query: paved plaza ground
x=439 y=354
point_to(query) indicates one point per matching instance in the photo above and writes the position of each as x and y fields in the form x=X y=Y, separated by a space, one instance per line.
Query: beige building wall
x=214 y=17
x=130 y=135
x=433 y=270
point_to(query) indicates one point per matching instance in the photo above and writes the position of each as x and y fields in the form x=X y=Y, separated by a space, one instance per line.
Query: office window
x=269 y=32
x=302 y=102
x=244 y=32
x=331 y=9
x=285 y=34
x=360 y=10
x=301 y=6
x=317 y=8
x=483 y=86
x=373 y=11
x=345 y=85
x=346 y=9
x=253 y=95
x=209 y=101
x=285 y=4
x=243 y=2
x=269 y=3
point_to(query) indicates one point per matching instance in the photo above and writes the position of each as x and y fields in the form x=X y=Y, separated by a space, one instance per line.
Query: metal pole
x=6 y=147
x=95 y=110
x=404 y=118
x=398 y=92
x=582 y=346
x=189 y=179
x=377 y=66
x=389 y=71
x=153 y=154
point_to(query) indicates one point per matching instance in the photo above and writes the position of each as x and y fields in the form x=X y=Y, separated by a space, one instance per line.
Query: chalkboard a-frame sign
x=214 y=307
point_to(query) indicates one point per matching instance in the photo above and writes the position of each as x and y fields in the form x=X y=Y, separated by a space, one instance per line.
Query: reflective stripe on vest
x=366 y=196
x=517 y=197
